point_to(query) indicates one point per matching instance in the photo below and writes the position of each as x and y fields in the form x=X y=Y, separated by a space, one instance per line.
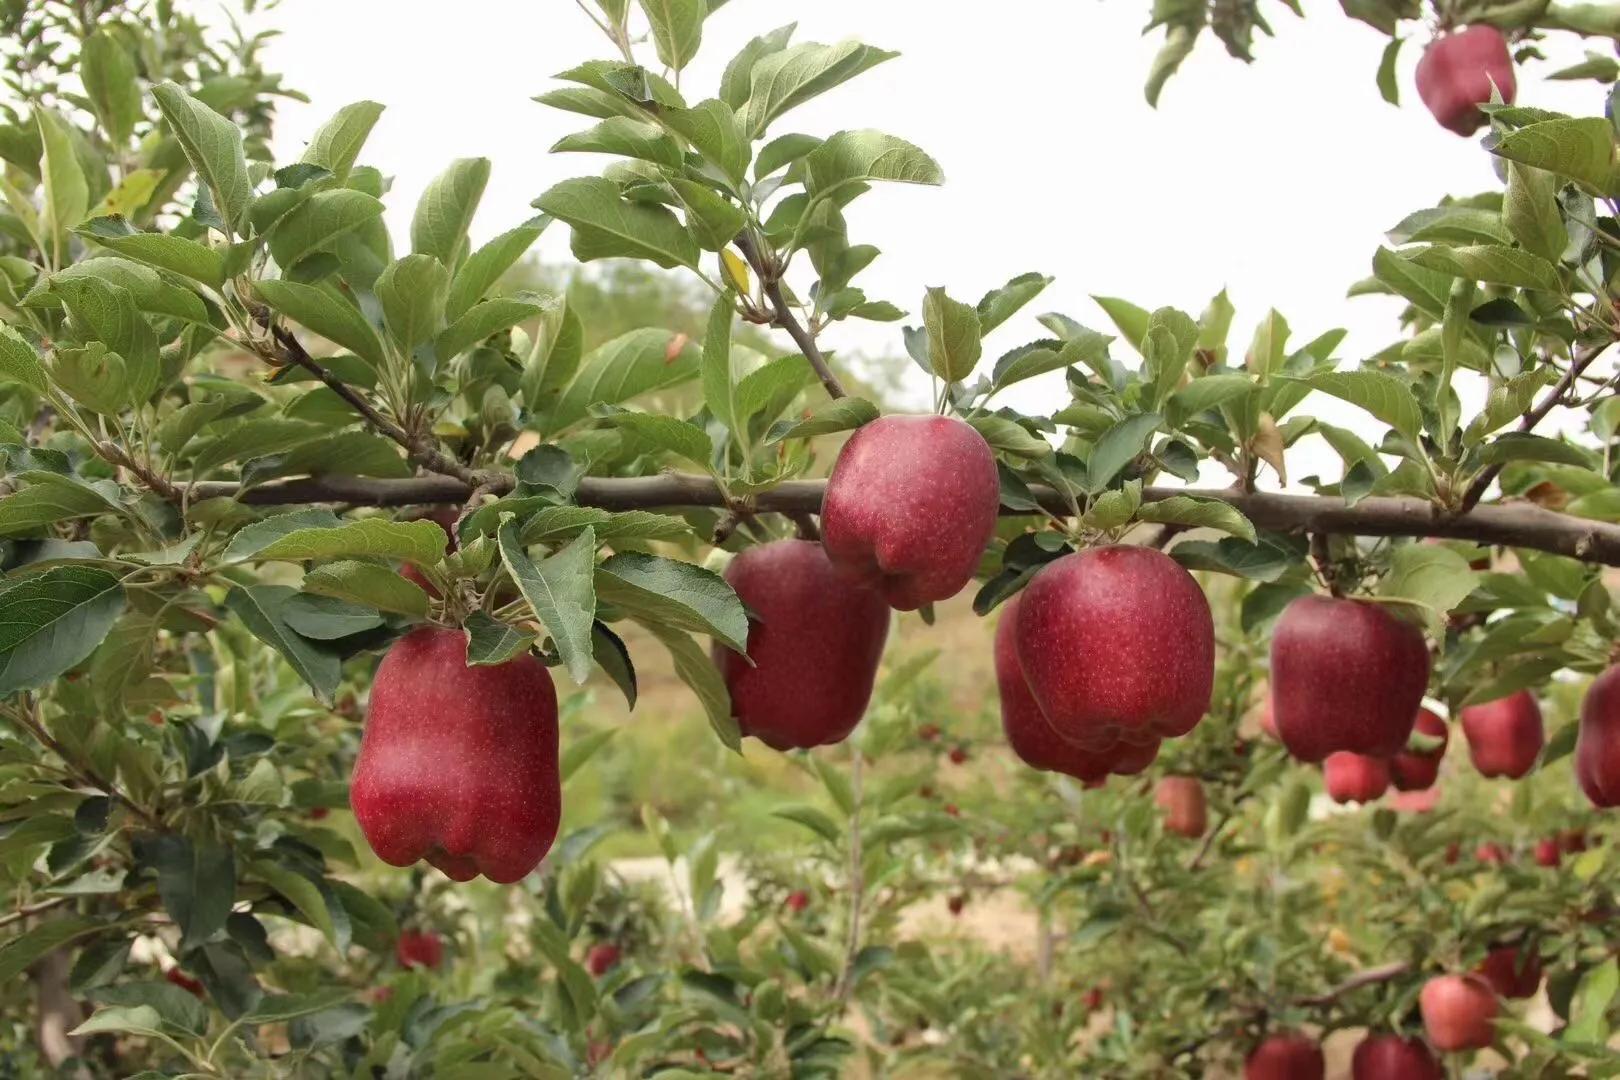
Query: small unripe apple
x=1457 y=71
x=1390 y=1057
x=601 y=958
x=1285 y=1057
x=1512 y=972
x=1346 y=675
x=1597 y=753
x=1416 y=770
x=910 y=507
x=1548 y=853
x=1185 y=809
x=1118 y=645
x=1355 y=778
x=419 y=948
x=1505 y=736
x=815 y=642
x=1458 y=1012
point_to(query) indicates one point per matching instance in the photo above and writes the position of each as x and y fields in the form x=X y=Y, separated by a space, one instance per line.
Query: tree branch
x=1515 y=525
x=782 y=316
x=1369 y=977
x=33 y=909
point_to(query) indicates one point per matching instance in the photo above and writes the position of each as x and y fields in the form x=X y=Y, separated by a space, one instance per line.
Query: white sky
x=1275 y=180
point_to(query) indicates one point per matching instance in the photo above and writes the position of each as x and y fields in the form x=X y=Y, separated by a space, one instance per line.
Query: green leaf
x=1131 y=320
x=954 y=338
x=1430 y=575
x=176 y=254
x=302 y=893
x=67 y=194
x=1009 y=436
x=561 y=590
x=814 y=820
x=781 y=78
x=412 y=292
x=695 y=668
x=269 y=435
x=490 y=641
x=1208 y=392
x=287 y=537
x=1452 y=224
x=484 y=267
x=18 y=953
x=259 y=608
x=999 y=305
x=1388 y=87
x=108 y=313
x=852 y=157
x=336 y=144
x=665 y=433
x=1531 y=211
x=1198 y=513
x=483 y=319
x=327 y=313
x=606 y=225
x=612 y=657
x=133 y=1020
x=656 y=590
x=1522 y=446
x=1384 y=396
x=19 y=362
x=1582 y=150
x=714 y=132
x=1492 y=264
x=1426 y=289
x=624 y=368
x=769 y=389
x=1589 y=1006
x=369 y=584
x=564 y=522
x=280 y=1008
x=720 y=374
x=1118 y=446
x=1171 y=338
x=824 y=418
x=51 y=621
x=319 y=222
x=108 y=72
x=677 y=29
x=445 y=211
x=197 y=882
x=625 y=137
x=714 y=220
x=327 y=618
x=48 y=499
x=213 y=145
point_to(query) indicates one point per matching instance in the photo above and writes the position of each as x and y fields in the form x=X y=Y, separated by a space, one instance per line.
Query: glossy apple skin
x=1118 y=645
x=458 y=764
x=1354 y=778
x=1186 y=811
x=1390 y=1057
x=1027 y=731
x=1458 y=1011
x=1455 y=74
x=1285 y=1057
x=1508 y=975
x=1597 y=753
x=1505 y=736
x=910 y=507
x=815 y=641
x=1410 y=770
x=1346 y=675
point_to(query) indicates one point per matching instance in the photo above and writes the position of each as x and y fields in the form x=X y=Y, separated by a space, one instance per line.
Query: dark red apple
x=458 y=764
x=1355 y=778
x=1597 y=753
x=1548 y=852
x=1457 y=71
x=1390 y=1057
x=1416 y=770
x=1458 y=1011
x=1504 y=736
x=1346 y=675
x=1491 y=854
x=1185 y=808
x=1509 y=975
x=910 y=506
x=815 y=640
x=797 y=901
x=1285 y=1057
x=419 y=948
x=1118 y=645
x=601 y=957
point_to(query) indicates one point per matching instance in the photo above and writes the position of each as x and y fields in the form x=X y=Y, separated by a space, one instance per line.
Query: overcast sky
x=1274 y=180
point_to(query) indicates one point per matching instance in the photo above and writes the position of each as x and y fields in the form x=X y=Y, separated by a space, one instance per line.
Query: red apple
x=1458 y=1011
x=958 y=755
x=1185 y=809
x=1457 y=72
x=910 y=506
x=814 y=641
x=419 y=948
x=1416 y=770
x=1285 y=1057
x=1597 y=753
x=1504 y=736
x=1491 y=854
x=797 y=901
x=1346 y=675
x=955 y=904
x=458 y=764
x=1355 y=778
x=1390 y=1057
x=1509 y=975
x=1118 y=645
x=1092 y=999
x=601 y=957
x=1415 y=802
x=1548 y=853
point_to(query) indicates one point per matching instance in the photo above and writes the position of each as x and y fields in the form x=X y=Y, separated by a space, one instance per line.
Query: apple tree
x=328 y=556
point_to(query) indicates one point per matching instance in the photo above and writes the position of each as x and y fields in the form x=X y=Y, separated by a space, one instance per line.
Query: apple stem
x=1326 y=568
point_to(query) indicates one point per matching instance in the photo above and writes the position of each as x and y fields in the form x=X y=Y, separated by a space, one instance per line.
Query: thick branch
x=1514 y=525
x=782 y=316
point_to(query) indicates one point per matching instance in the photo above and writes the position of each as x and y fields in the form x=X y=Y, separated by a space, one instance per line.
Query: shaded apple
x=1415 y=769
x=910 y=507
x=1390 y=1057
x=1597 y=753
x=1456 y=73
x=1505 y=736
x=1548 y=852
x=1511 y=971
x=797 y=901
x=1458 y=1012
x=1491 y=854
x=1285 y=1057
x=1354 y=778
x=419 y=948
x=458 y=764
x=814 y=638
x=1185 y=809
x=601 y=958
x=1346 y=675
x=1118 y=645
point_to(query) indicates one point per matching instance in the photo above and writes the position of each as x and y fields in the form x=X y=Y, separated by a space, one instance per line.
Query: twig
x=783 y=317
x=86 y=775
x=1197 y=861
x=33 y=909
x=857 y=880
x=1369 y=977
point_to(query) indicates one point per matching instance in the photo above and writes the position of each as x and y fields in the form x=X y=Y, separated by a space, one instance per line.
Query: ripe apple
x=419 y=948
x=1346 y=675
x=1390 y=1057
x=1458 y=1011
x=1509 y=975
x=1118 y=645
x=1185 y=809
x=458 y=764
x=1548 y=852
x=910 y=506
x=1285 y=1057
x=1491 y=854
x=601 y=957
x=1416 y=770
x=1504 y=736
x=797 y=901
x=814 y=640
x=1456 y=74
x=1355 y=778
x=1597 y=753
